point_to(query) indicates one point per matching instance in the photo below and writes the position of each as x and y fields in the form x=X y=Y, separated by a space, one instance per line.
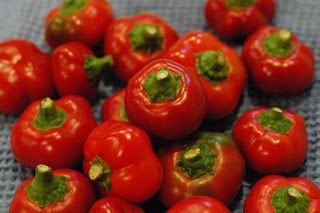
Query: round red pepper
x=76 y=71
x=273 y=194
x=166 y=100
x=120 y=160
x=25 y=75
x=211 y=165
x=271 y=140
x=53 y=133
x=84 y=21
x=219 y=68
x=134 y=41
x=114 y=205
x=278 y=62
x=113 y=107
x=233 y=19
x=60 y=191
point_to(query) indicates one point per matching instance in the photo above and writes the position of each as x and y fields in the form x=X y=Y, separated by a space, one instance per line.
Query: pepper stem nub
x=94 y=66
x=284 y=38
x=95 y=172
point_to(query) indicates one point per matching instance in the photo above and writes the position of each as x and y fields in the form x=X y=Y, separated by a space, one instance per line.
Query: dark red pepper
x=166 y=100
x=278 y=62
x=76 y=71
x=210 y=165
x=25 y=75
x=134 y=41
x=114 y=205
x=113 y=108
x=233 y=19
x=53 y=133
x=271 y=140
x=84 y=21
x=60 y=191
x=218 y=66
x=277 y=194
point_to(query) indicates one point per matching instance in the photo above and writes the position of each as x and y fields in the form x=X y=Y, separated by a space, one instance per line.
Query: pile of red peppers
x=150 y=143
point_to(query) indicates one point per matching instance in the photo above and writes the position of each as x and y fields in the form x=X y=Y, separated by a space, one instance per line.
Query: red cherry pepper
x=25 y=75
x=211 y=165
x=233 y=19
x=273 y=194
x=166 y=100
x=114 y=205
x=76 y=71
x=84 y=21
x=272 y=141
x=219 y=68
x=278 y=62
x=199 y=204
x=113 y=107
x=136 y=40
x=120 y=160
x=53 y=133
x=60 y=191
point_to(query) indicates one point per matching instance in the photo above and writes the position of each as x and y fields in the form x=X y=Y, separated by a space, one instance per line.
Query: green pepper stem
x=71 y=6
x=284 y=38
x=293 y=195
x=240 y=3
x=95 y=172
x=43 y=180
x=94 y=66
x=192 y=155
x=48 y=109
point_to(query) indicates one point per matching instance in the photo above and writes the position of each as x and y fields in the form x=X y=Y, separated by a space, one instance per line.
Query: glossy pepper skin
x=60 y=191
x=212 y=166
x=218 y=67
x=76 y=71
x=84 y=21
x=25 y=75
x=166 y=100
x=275 y=194
x=278 y=61
x=136 y=40
x=113 y=108
x=120 y=160
x=53 y=132
x=114 y=205
x=271 y=140
x=233 y=19
x=199 y=204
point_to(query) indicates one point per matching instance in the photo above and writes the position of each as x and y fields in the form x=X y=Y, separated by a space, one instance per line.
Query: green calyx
x=162 y=85
x=240 y=3
x=279 y=44
x=274 y=120
x=94 y=66
x=46 y=188
x=49 y=116
x=290 y=200
x=212 y=65
x=71 y=6
x=100 y=173
x=146 y=38
x=122 y=113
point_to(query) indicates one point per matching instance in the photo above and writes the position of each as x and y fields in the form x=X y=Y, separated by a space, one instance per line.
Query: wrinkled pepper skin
x=76 y=71
x=79 y=198
x=260 y=198
x=228 y=171
x=223 y=95
x=113 y=107
x=268 y=151
x=129 y=168
x=278 y=75
x=84 y=21
x=199 y=204
x=114 y=205
x=232 y=22
x=58 y=146
x=127 y=60
x=172 y=118
x=25 y=75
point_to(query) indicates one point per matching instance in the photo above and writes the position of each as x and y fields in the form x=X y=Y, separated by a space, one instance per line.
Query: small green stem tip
x=240 y=3
x=279 y=44
x=100 y=172
x=94 y=66
x=71 y=6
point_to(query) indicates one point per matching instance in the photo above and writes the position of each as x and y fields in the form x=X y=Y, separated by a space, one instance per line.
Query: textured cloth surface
x=24 y=19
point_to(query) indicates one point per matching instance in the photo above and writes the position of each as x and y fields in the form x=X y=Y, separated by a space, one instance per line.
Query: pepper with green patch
x=53 y=132
x=277 y=194
x=273 y=141
x=210 y=164
x=166 y=100
x=61 y=191
x=278 y=61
